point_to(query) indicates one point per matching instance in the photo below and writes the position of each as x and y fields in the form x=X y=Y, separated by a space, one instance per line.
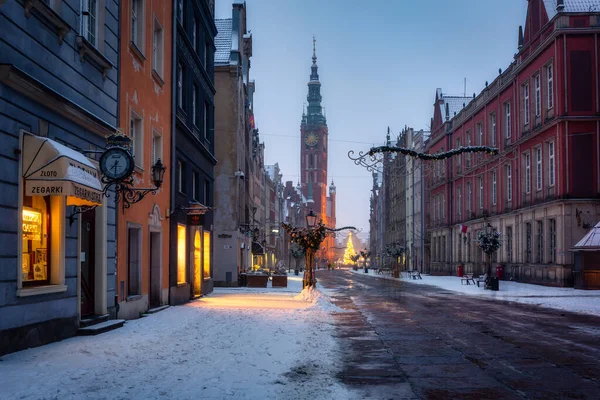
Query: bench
x=415 y=274
x=482 y=278
x=468 y=278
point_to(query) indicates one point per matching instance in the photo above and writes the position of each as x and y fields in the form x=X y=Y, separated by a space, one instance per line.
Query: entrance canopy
x=52 y=169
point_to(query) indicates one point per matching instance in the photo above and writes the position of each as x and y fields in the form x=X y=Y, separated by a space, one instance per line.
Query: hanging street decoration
x=310 y=238
x=489 y=242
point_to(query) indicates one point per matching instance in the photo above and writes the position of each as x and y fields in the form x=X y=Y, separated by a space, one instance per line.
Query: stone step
x=102 y=327
x=155 y=310
x=94 y=319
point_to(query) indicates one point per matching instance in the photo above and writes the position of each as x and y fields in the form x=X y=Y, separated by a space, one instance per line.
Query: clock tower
x=313 y=146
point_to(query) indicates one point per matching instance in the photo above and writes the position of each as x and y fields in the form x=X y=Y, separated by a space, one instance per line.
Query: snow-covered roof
x=223 y=41
x=591 y=241
x=572 y=6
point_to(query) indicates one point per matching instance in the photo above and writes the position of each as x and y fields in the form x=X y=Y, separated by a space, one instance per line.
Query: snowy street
x=235 y=343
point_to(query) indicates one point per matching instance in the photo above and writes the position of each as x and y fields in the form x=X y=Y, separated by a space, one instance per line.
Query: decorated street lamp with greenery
x=488 y=241
x=310 y=239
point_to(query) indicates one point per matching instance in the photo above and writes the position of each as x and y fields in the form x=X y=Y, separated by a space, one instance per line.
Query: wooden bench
x=482 y=278
x=415 y=274
x=468 y=278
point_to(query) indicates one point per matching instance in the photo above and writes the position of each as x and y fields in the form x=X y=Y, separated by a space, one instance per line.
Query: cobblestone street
x=414 y=341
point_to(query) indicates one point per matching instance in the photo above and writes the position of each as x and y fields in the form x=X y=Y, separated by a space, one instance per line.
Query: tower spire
x=315 y=111
x=314 y=50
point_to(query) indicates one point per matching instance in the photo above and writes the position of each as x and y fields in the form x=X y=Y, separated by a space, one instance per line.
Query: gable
x=537 y=17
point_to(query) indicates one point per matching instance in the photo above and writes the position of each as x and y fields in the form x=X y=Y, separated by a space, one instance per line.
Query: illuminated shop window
x=206 y=255
x=181 y=252
x=36 y=237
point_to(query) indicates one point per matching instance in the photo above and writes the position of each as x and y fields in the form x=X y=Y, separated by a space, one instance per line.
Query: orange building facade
x=145 y=116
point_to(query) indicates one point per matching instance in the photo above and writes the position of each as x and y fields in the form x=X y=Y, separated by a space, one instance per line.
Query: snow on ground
x=567 y=299
x=233 y=344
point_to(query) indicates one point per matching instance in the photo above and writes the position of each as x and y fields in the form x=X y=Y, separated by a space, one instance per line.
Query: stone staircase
x=98 y=324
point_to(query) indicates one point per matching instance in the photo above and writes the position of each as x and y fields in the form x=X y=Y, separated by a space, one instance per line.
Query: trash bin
x=460 y=271
x=296 y=272
x=500 y=271
x=243 y=280
x=366 y=270
x=493 y=284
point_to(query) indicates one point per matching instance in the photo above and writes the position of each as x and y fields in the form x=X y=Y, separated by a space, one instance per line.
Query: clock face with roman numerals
x=311 y=139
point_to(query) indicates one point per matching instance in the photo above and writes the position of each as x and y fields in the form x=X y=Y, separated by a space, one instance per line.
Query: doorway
x=155 y=269
x=88 y=257
x=197 y=264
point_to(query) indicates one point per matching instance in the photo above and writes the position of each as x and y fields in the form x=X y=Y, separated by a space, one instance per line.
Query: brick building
x=541 y=191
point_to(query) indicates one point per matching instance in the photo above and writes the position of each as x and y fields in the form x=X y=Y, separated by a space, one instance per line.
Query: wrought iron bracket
x=127 y=194
x=80 y=210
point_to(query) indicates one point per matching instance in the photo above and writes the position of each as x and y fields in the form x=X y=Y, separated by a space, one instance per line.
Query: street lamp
x=311 y=219
x=158 y=173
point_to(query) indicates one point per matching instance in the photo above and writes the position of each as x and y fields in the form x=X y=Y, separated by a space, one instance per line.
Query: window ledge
x=87 y=50
x=134 y=297
x=39 y=290
x=157 y=78
x=59 y=24
x=137 y=52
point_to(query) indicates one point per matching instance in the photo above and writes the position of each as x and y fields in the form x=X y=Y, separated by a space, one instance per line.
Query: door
x=155 y=269
x=197 y=264
x=88 y=256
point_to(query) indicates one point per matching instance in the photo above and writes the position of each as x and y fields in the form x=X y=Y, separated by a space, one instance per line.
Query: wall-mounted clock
x=116 y=163
x=311 y=139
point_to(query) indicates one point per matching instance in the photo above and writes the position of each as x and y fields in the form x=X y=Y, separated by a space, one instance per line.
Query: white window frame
x=527 y=173
x=481 y=192
x=494 y=191
x=550 y=82
x=158 y=48
x=459 y=197
x=551 y=165
x=538 y=95
x=508 y=182
x=479 y=128
x=157 y=146
x=468 y=155
x=90 y=33
x=136 y=132
x=538 y=168
x=470 y=196
x=507 y=120
x=526 y=104
x=493 y=128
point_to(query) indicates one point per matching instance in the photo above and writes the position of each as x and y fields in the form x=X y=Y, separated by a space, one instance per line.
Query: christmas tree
x=349 y=251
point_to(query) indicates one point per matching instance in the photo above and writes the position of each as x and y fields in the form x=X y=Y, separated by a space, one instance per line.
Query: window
x=479 y=134
x=469 y=197
x=494 y=192
x=538 y=168
x=206 y=254
x=134 y=252
x=508 y=182
x=444 y=205
x=527 y=173
x=196 y=186
x=468 y=155
x=181 y=253
x=551 y=165
x=181 y=176
x=458 y=159
x=205 y=122
x=493 y=128
x=137 y=23
x=157 y=145
x=179 y=85
x=207 y=193
x=36 y=228
x=509 y=244
x=526 y=103
x=195 y=105
x=180 y=11
x=538 y=97
x=540 y=242
x=481 y=192
x=528 y=242
x=158 y=49
x=552 y=237
x=459 y=201
x=89 y=21
x=136 y=132
x=195 y=35
x=206 y=55
x=550 y=81
x=507 y=121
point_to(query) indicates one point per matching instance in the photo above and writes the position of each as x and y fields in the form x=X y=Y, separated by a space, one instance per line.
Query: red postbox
x=460 y=271
x=500 y=271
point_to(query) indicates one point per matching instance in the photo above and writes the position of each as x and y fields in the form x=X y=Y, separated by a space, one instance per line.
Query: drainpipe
x=173 y=122
x=116 y=203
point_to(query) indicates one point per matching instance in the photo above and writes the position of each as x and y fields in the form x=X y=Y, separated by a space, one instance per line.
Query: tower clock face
x=311 y=139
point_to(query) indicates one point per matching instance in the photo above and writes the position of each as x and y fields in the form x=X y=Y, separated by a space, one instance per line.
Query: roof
x=223 y=41
x=591 y=241
x=455 y=104
x=572 y=6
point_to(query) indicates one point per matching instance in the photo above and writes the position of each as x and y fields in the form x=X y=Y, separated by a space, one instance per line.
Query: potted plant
x=279 y=277
x=258 y=277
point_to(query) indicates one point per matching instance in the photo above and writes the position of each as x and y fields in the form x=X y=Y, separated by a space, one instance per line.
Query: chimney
x=521 y=38
x=447 y=112
x=560 y=5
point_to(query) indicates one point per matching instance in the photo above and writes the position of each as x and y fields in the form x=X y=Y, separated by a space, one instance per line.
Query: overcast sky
x=380 y=62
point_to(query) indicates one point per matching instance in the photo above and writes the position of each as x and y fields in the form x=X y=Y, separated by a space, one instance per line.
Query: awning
x=257 y=249
x=52 y=169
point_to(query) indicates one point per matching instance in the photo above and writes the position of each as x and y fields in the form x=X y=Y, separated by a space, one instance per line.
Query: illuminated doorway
x=197 y=264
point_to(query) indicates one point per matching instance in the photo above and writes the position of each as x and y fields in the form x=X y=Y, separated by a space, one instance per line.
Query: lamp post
x=309 y=255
